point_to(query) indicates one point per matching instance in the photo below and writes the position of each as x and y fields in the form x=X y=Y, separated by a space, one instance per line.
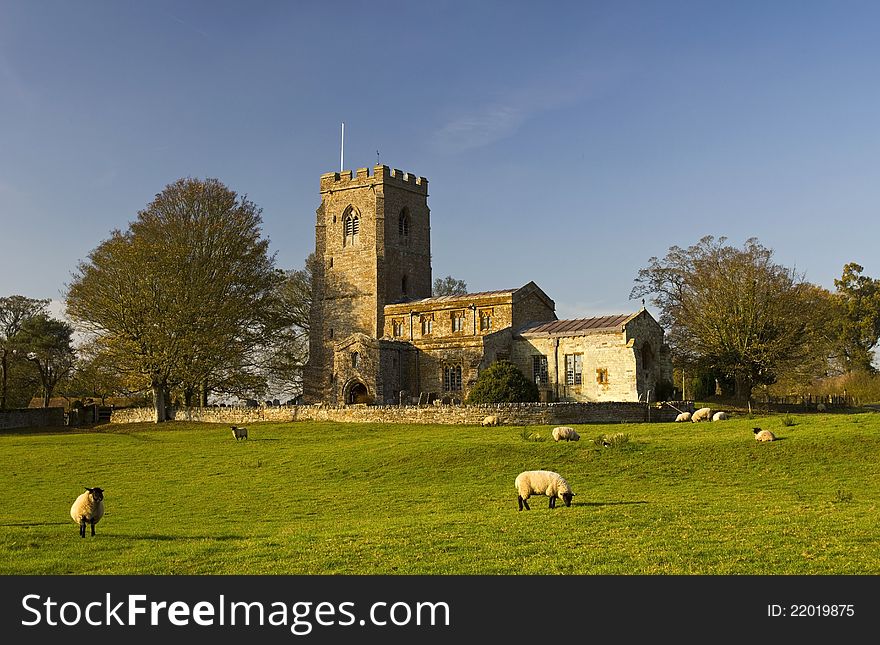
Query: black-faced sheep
x=88 y=509
x=541 y=482
x=491 y=420
x=564 y=433
x=763 y=435
x=239 y=433
x=703 y=414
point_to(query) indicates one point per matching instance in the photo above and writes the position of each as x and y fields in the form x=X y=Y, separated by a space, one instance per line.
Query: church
x=379 y=337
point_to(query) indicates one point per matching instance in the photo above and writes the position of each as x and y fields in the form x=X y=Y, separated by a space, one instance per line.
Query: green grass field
x=324 y=498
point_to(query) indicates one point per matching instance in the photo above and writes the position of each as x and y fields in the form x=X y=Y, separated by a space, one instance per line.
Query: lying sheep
x=763 y=435
x=541 y=482
x=88 y=508
x=720 y=416
x=684 y=416
x=491 y=420
x=239 y=433
x=564 y=433
x=703 y=414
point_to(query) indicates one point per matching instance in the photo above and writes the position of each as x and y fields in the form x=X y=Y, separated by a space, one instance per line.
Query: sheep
x=684 y=416
x=763 y=435
x=239 y=433
x=564 y=433
x=491 y=420
x=88 y=507
x=720 y=416
x=703 y=414
x=541 y=482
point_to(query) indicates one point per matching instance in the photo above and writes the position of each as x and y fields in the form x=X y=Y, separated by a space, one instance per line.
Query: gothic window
x=397 y=328
x=403 y=227
x=574 y=366
x=486 y=320
x=427 y=324
x=602 y=376
x=351 y=226
x=452 y=378
x=539 y=369
x=457 y=322
x=355 y=359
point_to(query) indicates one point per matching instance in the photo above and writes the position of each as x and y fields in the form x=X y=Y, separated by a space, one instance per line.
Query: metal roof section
x=578 y=326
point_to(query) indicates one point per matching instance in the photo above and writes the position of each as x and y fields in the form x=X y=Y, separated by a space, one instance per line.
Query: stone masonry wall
x=509 y=414
x=31 y=418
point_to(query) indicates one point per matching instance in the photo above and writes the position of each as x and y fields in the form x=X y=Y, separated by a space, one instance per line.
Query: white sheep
x=703 y=414
x=564 y=433
x=88 y=508
x=491 y=420
x=763 y=435
x=541 y=482
x=684 y=416
x=239 y=433
x=720 y=416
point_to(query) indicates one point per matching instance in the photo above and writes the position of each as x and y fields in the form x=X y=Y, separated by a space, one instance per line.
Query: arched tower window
x=351 y=226
x=403 y=227
x=647 y=357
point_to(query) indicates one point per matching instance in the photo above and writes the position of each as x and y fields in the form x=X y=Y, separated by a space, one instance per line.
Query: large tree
x=735 y=311
x=449 y=286
x=858 y=319
x=185 y=296
x=15 y=311
x=289 y=351
x=48 y=345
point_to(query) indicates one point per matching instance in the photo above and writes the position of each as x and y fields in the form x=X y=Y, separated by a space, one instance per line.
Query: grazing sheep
x=239 y=433
x=491 y=420
x=763 y=435
x=88 y=508
x=820 y=407
x=564 y=433
x=703 y=414
x=684 y=416
x=720 y=416
x=542 y=482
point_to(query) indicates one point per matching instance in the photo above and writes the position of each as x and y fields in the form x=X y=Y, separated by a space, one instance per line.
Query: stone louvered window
x=427 y=324
x=355 y=359
x=452 y=378
x=351 y=226
x=574 y=366
x=403 y=227
x=539 y=369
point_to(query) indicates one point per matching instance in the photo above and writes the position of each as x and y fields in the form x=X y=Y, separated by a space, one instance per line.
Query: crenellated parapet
x=332 y=181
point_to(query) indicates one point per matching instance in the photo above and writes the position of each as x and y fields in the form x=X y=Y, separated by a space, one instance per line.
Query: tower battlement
x=380 y=174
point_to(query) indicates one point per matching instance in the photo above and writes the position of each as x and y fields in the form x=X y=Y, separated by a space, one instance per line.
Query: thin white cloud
x=486 y=124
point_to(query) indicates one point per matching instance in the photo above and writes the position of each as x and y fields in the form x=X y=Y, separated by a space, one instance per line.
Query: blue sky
x=565 y=142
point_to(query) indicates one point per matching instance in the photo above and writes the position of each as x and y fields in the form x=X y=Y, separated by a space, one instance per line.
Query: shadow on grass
x=607 y=503
x=177 y=538
x=38 y=524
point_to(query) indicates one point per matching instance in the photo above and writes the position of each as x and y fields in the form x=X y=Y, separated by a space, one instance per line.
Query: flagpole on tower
x=342 y=150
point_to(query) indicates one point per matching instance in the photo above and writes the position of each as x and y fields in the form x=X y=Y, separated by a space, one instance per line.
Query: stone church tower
x=373 y=248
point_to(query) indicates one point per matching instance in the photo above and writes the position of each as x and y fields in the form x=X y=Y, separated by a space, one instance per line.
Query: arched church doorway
x=356 y=392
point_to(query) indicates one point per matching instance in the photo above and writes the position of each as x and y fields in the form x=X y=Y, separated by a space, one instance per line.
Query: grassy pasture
x=325 y=498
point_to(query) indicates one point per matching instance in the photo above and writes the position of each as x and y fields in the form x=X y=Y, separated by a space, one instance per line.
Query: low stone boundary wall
x=31 y=418
x=508 y=414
